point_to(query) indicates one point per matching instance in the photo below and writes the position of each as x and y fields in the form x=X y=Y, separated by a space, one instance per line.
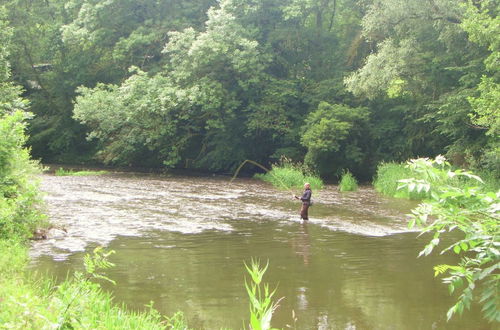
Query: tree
x=335 y=132
x=194 y=109
x=60 y=45
x=425 y=61
x=483 y=26
x=10 y=99
x=18 y=189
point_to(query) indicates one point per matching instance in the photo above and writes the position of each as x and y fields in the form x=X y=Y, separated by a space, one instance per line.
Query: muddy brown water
x=181 y=242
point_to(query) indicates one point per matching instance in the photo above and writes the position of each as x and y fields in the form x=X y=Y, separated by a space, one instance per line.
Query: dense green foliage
x=348 y=182
x=389 y=175
x=473 y=213
x=288 y=175
x=19 y=198
x=205 y=84
x=428 y=59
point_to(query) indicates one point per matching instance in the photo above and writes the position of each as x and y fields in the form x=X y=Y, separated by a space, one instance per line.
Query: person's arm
x=306 y=196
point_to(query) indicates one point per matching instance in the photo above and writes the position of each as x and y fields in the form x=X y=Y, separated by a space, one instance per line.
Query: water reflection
x=301 y=244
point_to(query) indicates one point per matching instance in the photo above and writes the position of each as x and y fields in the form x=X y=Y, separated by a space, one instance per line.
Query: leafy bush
x=287 y=175
x=19 y=198
x=470 y=211
x=348 y=182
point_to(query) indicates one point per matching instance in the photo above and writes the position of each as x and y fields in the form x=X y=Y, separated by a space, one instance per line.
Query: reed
x=348 y=182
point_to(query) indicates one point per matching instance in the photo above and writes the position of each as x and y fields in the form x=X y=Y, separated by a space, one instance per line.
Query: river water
x=181 y=241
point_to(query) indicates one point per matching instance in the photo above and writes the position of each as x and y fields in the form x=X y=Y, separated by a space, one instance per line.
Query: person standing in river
x=306 y=201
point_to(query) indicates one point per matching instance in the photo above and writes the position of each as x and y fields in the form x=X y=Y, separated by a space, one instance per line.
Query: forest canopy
x=337 y=84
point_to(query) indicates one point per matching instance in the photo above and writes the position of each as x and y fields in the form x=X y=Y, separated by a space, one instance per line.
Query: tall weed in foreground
x=348 y=182
x=289 y=175
x=261 y=305
x=474 y=213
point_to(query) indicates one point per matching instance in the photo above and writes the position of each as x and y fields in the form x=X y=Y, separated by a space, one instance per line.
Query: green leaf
x=450 y=313
x=254 y=322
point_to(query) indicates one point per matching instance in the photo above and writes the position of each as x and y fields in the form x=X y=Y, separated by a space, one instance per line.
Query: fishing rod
x=262 y=167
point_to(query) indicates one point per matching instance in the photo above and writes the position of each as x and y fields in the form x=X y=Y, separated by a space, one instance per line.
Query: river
x=181 y=241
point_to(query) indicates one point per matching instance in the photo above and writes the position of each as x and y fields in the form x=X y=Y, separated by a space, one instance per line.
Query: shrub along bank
x=460 y=202
x=20 y=203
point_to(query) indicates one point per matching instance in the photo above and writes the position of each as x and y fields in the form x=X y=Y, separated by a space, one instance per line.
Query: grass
x=387 y=177
x=389 y=174
x=348 y=182
x=287 y=175
x=491 y=181
x=28 y=301
x=62 y=172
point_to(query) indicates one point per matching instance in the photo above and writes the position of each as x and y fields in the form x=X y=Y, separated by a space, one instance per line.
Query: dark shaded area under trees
x=338 y=84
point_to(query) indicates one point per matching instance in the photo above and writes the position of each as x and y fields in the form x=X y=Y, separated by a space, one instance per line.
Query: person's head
x=307 y=185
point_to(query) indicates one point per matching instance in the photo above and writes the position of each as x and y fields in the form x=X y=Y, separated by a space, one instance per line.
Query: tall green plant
x=261 y=305
x=476 y=216
x=348 y=182
x=19 y=198
x=287 y=175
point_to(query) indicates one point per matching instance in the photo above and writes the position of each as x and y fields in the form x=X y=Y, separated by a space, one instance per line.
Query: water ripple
x=96 y=209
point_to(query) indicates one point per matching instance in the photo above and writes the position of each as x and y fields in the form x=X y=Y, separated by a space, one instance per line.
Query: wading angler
x=306 y=201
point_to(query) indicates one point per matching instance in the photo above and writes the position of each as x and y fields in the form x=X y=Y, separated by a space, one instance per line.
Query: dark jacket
x=306 y=196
